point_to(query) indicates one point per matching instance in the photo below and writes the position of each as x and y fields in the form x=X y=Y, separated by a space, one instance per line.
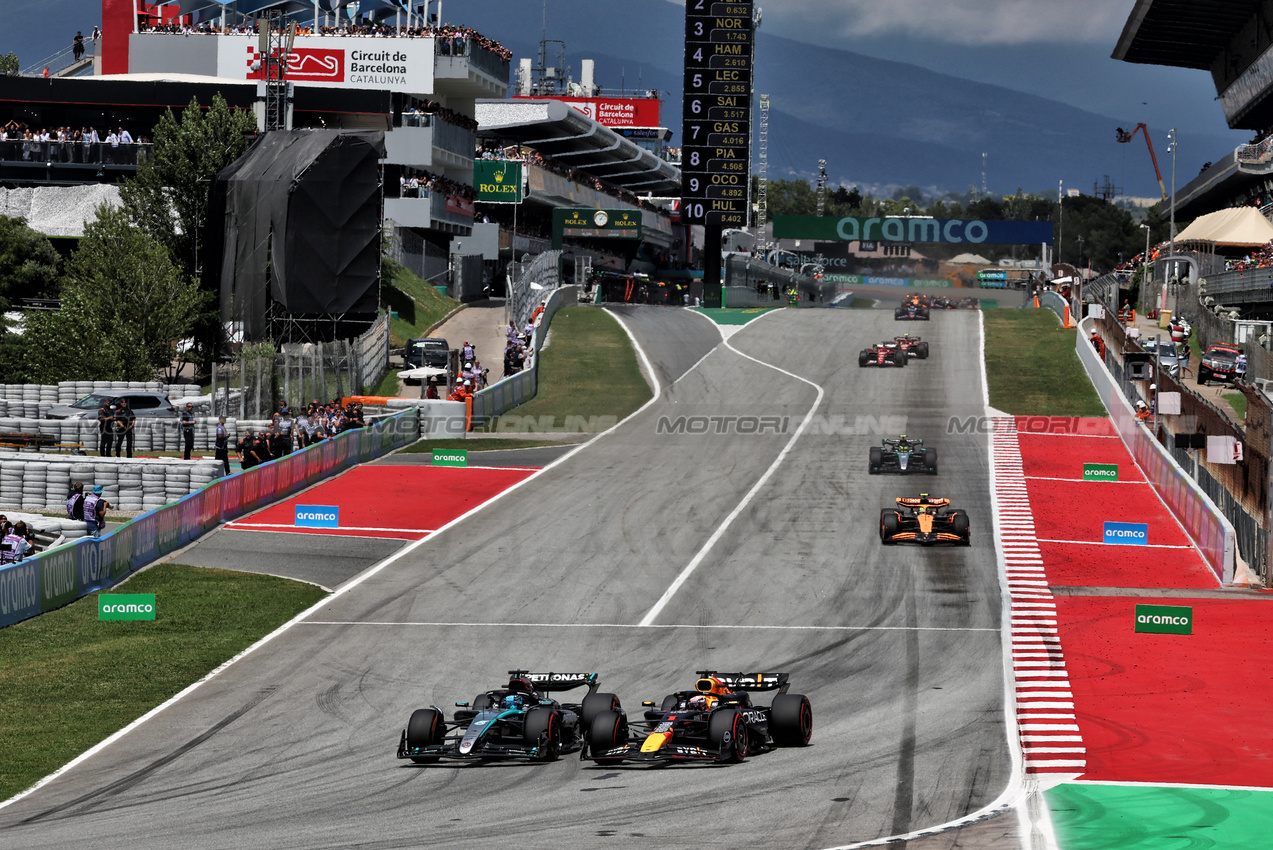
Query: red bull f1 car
x=912 y=345
x=903 y=456
x=926 y=521
x=884 y=354
x=715 y=722
x=518 y=721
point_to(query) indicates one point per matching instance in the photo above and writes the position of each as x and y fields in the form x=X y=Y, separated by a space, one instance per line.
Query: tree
x=9 y=65
x=168 y=196
x=28 y=262
x=124 y=304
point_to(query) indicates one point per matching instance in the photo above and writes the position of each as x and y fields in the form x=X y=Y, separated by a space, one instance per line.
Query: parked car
x=144 y=406
x=1168 y=356
x=426 y=352
x=1219 y=363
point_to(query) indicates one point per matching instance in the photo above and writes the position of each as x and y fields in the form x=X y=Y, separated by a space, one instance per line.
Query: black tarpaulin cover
x=302 y=212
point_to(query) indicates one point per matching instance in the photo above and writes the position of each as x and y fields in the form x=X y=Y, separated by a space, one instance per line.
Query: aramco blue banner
x=951 y=231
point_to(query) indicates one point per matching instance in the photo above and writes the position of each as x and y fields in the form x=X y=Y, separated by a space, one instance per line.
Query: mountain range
x=878 y=123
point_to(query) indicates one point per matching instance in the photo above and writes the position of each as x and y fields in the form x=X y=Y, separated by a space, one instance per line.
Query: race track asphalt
x=899 y=649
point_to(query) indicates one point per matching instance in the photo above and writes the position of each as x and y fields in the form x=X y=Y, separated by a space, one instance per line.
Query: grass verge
x=1032 y=368
x=483 y=445
x=590 y=370
x=1238 y=402
x=416 y=302
x=68 y=680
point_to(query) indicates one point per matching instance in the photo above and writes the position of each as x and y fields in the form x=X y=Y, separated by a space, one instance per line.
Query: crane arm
x=1124 y=136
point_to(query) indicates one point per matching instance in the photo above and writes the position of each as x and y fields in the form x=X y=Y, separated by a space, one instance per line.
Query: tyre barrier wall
x=42 y=482
x=59 y=576
x=149 y=435
x=1204 y=522
x=507 y=393
x=32 y=401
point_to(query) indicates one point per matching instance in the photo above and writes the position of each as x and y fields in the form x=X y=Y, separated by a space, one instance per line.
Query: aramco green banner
x=498 y=181
x=952 y=231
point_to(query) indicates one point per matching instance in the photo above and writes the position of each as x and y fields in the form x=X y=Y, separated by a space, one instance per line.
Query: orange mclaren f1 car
x=926 y=521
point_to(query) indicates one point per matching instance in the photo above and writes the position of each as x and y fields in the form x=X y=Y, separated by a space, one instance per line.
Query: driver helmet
x=512 y=701
x=698 y=702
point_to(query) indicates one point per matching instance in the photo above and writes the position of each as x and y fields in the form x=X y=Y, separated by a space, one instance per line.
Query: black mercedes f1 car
x=515 y=722
x=926 y=521
x=903 y=456
x=715 y=722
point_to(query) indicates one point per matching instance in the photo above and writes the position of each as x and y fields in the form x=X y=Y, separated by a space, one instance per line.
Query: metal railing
x=58 y=62
x=71 y=153
x=481 y=58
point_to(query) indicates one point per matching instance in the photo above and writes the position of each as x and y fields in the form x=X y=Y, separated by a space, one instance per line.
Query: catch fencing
x=1201 y=518
x=507 y=393
x=252 y=385
x=541 y=275
x=59 y=576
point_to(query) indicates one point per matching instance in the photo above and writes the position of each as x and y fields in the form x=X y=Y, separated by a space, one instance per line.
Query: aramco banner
x=498 y=181
x=952 y=231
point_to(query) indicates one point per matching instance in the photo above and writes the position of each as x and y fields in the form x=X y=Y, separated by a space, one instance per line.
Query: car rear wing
x=750 y=681
x=548 y=682
x=922 y=501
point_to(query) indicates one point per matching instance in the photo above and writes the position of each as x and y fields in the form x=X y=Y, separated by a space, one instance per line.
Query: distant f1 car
x=515 y=722
x=715 y=722
x=924 y=520
x=884 y=354
x=912 y=345
x=911 y=311
x=902 y=456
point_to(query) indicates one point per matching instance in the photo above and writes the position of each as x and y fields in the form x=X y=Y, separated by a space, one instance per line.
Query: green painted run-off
x=732 y=315
x=1141 y=817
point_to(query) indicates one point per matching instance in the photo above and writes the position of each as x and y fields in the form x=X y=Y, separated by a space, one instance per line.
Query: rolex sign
x=498 y=181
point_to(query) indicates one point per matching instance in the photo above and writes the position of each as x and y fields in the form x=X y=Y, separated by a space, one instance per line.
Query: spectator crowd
x=20 y=143
x=287 y=433
x=450 y=37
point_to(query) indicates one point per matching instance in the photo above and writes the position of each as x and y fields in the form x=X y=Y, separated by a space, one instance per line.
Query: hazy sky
x=1053 y=48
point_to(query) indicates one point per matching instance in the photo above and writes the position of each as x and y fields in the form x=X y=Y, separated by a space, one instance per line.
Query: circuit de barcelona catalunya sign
x=952 y=231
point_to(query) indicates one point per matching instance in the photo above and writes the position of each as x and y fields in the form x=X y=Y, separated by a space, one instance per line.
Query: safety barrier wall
x=1204 y=522
x=507 y=393
x=1053 y=302
x=62 y=575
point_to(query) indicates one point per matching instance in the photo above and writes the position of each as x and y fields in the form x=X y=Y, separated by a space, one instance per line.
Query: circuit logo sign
x=317 y=516
x=1164 y=619
x=126 y=606
x=1126 y=534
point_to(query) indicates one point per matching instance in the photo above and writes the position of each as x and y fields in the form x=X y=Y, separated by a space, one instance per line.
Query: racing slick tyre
x=538 y=722
x=888 y=526
x=930 y=460
x=594 y=704
x=791 y=720
x=608 y=730
x=960 y=525
x=864 y=357
x=897 y=314
x=921 y=351
x=727 y=729
x=425 y=729
x=877 y=457
x=901 y=358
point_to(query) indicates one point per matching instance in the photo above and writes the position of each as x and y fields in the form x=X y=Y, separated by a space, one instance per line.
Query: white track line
x=306 y=529
x=730 y=626
x=648 y=619
x=1099 y=543
x=1080 y=480
x=357 y=580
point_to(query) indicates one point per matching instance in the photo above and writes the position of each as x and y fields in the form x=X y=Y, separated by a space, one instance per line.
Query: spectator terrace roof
x=574 y=140
x=1182 y=33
